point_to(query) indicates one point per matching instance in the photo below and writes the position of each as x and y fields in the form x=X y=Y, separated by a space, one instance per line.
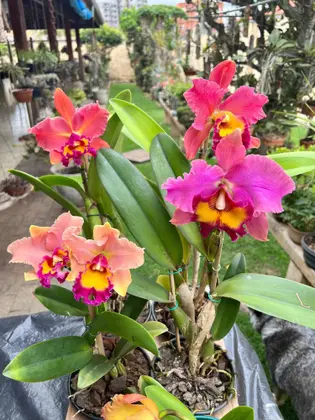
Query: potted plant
x=298 y=208
x=308 y=245
x=272 y=133
x=175 y=220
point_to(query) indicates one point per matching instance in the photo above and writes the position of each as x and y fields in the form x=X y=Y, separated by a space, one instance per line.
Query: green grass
x=262 y=257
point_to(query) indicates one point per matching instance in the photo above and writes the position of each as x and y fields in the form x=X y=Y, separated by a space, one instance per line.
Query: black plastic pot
x=37 y=92
x=309 y=254
x=224 y=403
x=71 y=391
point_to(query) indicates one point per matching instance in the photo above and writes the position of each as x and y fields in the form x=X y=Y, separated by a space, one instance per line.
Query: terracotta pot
x=309 y=253
x=274 y=140
x=295 y=234
x=307 y=143
x=190 y=71
x=23 y=95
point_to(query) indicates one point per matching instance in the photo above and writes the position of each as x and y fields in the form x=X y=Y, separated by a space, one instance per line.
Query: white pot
x=102 y=96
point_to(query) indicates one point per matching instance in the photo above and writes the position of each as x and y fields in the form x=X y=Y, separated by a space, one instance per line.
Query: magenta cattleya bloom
x=74 y=134
x=232 y=196
x=98 y=266
x=45 y=250
x=238 y=111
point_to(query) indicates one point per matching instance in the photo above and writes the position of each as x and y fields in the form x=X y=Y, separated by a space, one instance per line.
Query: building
x=111 y=9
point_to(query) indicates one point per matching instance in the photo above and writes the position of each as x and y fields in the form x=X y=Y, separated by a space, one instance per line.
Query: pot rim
x=297 y=230
x=305 y=246
x=224 y=403
x=70 y=391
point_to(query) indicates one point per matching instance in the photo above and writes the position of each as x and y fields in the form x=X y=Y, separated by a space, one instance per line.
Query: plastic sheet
x=48 y=400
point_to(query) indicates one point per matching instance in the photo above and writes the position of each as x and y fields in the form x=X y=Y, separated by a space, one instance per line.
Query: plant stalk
x=216 y=264
x=173 y=291
x=99 y=337
x=196 y=266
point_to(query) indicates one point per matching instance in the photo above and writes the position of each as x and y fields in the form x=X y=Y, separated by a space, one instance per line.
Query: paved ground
x=15 y=294
x=13 y=124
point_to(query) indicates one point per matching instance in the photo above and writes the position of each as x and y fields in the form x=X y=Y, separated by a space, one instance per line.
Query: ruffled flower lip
x=55 y=266
x=93 y=285
x=75 y=148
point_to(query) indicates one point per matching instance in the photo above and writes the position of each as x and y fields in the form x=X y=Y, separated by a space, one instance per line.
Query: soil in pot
x=92 y=399
x=202 y=394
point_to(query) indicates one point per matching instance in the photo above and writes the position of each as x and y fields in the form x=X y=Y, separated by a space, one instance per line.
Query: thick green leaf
x=240 y=413
x=228 y=308
x=141 y=128
x=125 y=95
x=113 y=130
x=133 y=307
x=140 y=208
x=145 y=381
x=97 y=367
x=168 y=162
x=46 y=189
x=49 y=359
x=122 y=326
x=272 y=295
x=66 y=181
x=166 y=401
x=123 y=346
x=60 y=301
x=147 y=288
x=295 y=163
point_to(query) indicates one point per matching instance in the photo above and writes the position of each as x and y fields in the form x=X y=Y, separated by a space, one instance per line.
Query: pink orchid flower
x=45 y=250
x=230 y=196
x=238 y=111
x=98 y=266
x=75 y=134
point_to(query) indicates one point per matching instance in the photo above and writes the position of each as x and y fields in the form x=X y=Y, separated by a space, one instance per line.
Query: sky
x=169 y=2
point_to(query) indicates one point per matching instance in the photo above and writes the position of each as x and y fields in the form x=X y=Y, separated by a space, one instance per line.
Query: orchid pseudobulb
x=232 y=196
x=130 y=407
x=75 y=134
x=45 y=250
x=98 y=266
x=237 y=112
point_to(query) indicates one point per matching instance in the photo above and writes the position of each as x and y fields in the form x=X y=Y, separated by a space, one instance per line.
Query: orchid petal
x=257 y=227
x=193 y=139
x=230 y=150
x=64 y=106
x=181 y=217
x=223 y=73
x=55 y=157
x=63 y=222
x=203 y=98
x=122 y=407
x=244 y=102
x=90 y=120
x=98 y=143
x=52 y=133
x=254 y=142
x=201 y=181
x=25 y=251
x=263 y=180
x=103 y=232
x=121 y=280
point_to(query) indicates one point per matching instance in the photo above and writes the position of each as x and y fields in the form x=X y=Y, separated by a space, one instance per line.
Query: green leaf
x=240 y=413
x=140 y=208
x=272 y=295
x=60 y=301
x=125 y=95
x=141 y=128
x=295 y=163
x=123 y=346
x=168 y=162
x=133 y=307
x=166 y=401
x=66 y=181
x=228 y=308
x=46 y=189
x=122 y=326
x=113 y=130
x=97 y=367
x=49 y=359
x=145 y=381
x=147 y=288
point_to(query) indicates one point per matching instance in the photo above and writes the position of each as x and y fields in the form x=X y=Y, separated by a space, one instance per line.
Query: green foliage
x=49 y=359
x=185 y=115
x=77 y=96
x=178 y=89
x=106 y=36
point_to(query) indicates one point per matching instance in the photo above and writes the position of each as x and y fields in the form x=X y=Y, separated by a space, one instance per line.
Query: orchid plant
x=175 y=219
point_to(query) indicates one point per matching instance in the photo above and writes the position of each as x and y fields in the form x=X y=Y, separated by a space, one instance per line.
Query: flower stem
x=196 y=266
x=216 y=264
x=99 y=337
x=173 y=291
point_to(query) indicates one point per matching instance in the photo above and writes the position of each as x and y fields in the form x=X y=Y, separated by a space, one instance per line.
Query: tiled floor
x=14 y=123
x=16 y=295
